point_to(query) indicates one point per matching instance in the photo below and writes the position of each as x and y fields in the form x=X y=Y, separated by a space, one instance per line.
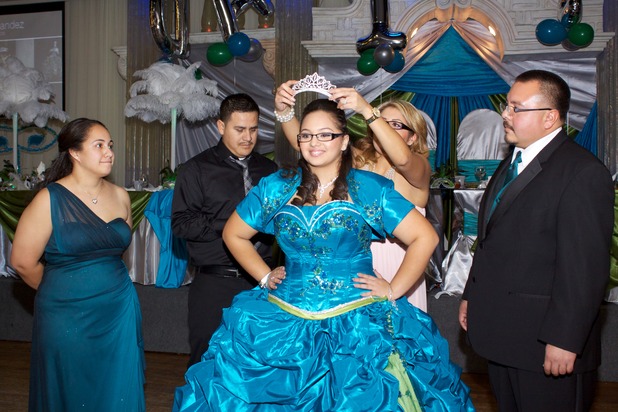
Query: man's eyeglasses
x=322 y=137
x=397 y=125
x=510 y=108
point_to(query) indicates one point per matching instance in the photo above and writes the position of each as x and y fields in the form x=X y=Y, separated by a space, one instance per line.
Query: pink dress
x=387 y=257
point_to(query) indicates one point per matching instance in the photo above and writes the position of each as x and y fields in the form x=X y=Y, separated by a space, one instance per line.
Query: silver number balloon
x=177 y=46
x=381 y=33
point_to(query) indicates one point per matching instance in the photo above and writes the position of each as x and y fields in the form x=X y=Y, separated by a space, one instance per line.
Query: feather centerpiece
x=166 y=91
x=25 y=93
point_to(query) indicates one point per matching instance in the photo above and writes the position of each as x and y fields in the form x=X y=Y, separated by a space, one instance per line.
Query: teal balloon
x=239 y=44
x=218 y=54
x=397 y=64
x=550 y=32
x=366 y=65
x=581 y=34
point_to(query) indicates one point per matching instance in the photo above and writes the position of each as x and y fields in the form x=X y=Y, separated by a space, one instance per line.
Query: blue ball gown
x=87 y=350
x=314 y=343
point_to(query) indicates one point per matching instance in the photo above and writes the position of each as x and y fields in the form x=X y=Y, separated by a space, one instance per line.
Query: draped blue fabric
x=587 y=137
x=451 y=72
x=173 y=254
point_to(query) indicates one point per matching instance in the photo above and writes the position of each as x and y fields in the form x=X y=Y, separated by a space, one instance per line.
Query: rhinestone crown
x=313 y=83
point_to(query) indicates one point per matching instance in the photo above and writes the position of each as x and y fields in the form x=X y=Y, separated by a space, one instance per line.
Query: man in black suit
x=531 y=302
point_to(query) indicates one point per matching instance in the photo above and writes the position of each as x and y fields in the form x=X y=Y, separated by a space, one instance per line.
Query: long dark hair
x=71 y=136
x=309 y=182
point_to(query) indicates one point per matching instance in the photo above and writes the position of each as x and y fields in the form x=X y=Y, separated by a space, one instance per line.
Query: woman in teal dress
x=87 y=350
x=324 y=333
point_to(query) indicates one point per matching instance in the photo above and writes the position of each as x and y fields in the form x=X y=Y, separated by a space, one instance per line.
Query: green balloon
x=366 y=65
x=218 y=54
x=581 y=34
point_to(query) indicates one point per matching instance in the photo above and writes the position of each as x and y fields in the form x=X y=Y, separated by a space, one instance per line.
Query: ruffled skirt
x=379 y=357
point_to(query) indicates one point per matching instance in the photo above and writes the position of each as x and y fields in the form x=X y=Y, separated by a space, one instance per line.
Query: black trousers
x=518 y=390
x=208 y=295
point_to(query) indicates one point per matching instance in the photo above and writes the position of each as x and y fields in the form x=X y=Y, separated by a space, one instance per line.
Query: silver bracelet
x=390 y=293
x=264 y=281
x=285 y=117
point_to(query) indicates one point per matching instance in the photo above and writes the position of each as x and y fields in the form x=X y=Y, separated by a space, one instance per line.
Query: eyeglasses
x=510 y=108
x=397 y=125
x=322 y=137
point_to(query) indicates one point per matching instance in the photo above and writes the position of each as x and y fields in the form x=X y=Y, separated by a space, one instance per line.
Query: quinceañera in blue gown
x=314 y=343
x=87 y=350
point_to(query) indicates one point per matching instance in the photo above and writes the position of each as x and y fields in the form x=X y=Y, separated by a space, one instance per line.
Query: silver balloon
x=228 y=24
x=381 y=34
x=255 y=51
x=263 y=7
x=570 y=13
x=177 y=46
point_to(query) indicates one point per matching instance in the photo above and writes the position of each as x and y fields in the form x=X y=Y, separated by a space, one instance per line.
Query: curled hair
x=239 y=102
x=71 y=137
x=309 y=183
x=554 y=89
x=412 y=118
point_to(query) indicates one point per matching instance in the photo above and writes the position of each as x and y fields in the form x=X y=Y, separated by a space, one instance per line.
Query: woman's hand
x=284 y=96
x=375 y=285
x=350 y=99
x=276 y=277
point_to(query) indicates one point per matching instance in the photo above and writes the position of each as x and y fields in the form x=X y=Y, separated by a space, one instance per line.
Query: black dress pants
x=208 y=295
x=517 y=390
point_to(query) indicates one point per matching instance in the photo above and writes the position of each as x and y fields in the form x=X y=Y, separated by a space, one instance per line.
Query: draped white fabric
x=481 y=136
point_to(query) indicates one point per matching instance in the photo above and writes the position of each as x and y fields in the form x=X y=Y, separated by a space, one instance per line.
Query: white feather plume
x=25 y=91
x=165 y=86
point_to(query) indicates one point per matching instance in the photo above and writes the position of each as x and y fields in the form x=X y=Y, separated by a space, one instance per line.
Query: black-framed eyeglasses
x=397 y=125
x=322 y=137
x=510 y=108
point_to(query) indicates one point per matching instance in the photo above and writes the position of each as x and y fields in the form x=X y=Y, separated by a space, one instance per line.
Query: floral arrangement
x=11 y=180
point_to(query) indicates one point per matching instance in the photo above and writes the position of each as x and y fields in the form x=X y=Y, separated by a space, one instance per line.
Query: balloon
x=381 y=33
x=366 y=65
x=172 y=47
x=255 y=51
x=218 y=54
x=263 y=7
x=384 y=54
x=568 y=46
x=571 y=13
x=550 y=32
x=239 y=44
x=581 y=34
x=228 y=24
x=398 y=63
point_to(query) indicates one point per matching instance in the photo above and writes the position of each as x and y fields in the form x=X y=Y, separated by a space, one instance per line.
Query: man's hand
x=557 y=361
x=463 y=315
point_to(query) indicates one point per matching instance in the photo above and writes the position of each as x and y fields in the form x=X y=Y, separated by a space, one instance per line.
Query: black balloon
x=380 y=33
x=384 y=54
x=255 y=51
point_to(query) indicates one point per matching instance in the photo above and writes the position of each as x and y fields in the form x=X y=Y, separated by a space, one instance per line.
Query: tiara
x=313 y=83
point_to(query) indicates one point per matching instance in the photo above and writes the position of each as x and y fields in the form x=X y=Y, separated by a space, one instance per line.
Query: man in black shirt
x=208 y=188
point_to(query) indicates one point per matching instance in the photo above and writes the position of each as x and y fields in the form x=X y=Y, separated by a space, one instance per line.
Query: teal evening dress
x=87 y=349
x=314 y=343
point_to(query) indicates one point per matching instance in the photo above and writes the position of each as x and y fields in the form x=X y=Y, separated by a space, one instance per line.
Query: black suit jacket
x=542 y=260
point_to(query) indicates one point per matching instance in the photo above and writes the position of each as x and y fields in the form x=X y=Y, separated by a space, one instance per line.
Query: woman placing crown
x=395 y=148
x=326 y=334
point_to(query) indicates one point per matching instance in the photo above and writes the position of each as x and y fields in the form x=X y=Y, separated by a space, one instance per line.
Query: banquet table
x=154 y=257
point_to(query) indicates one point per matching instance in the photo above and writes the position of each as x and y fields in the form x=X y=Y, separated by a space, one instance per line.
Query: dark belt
x=220 y=271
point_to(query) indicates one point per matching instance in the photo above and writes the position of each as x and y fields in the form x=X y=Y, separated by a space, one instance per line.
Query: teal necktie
x=511 y=174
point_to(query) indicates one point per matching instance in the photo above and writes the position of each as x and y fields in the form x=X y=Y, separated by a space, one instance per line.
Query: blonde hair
x=412 y=118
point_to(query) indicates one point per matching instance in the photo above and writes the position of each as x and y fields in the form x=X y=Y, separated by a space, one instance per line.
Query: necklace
x=321 y=188
x=95 y=198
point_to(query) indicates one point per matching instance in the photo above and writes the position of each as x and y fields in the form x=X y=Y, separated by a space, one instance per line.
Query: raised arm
x=284 y=104
x=31 y=236
x=413 y=167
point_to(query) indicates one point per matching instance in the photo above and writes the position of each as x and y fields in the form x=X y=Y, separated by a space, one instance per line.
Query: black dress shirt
x=208 y=188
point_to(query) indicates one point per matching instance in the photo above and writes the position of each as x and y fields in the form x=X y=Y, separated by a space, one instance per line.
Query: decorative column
x=293 y=20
